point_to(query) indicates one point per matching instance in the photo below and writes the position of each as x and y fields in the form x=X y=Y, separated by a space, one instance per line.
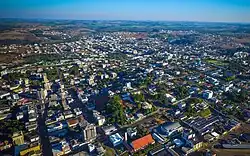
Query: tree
x=115 y=108
x=74 y=71
x=181 y=92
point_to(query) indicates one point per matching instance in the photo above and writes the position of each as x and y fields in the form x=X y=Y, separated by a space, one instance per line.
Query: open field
x=11 y=35
x=216 y=62
x=243 y=40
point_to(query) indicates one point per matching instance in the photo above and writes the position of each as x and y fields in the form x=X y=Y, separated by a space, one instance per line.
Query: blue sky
x=169 y=10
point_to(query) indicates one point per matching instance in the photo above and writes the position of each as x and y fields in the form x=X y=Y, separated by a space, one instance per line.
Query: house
x=182 y=105
x=68 y=114
x=31 y=126
x=146 y=105
x=142 y=142
x=170 y=98
x=116 y=139
x=4 y=94
x=32 y=117
x=19 y=115
x=32 y=137
x=77 y=111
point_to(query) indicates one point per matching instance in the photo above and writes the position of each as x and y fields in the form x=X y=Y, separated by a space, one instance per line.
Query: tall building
x=45 y=79
x=18 y=138
x=47 y=85
x=42 y=94
x=89 y=132
x=63 y=97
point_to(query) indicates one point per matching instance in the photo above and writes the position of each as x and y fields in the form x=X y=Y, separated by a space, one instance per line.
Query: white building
x=170 y=98
x=207 y=94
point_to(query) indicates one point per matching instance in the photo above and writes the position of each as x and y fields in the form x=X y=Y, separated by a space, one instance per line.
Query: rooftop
x=142 y=142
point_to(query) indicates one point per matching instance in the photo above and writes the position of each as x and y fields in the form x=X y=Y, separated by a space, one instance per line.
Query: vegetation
x=57 y=107
x=42 y=57
x=237 y=97
x=138 y=97
x=191 y=111
x=74 y=71
x=118 y=56
x=181 y=92
x=217 y=62
x=231 y=78
x=194 y=100
x=147 y=149
x=116 y=110
x=52 y=74
x=35 y=83
x=109 y=151
x=11 y=77
x=11 y=126
x=205 y=113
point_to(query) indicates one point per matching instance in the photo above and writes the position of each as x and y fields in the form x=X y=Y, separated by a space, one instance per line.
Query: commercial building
x=116 y=139
x=142 y=142
x=89 y=132
x=167 y=129
x=207 y=94
x=18 y=138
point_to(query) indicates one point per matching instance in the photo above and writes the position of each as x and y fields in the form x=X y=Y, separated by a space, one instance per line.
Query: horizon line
x=137 y=20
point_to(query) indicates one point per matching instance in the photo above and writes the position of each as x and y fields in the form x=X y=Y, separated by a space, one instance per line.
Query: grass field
x=217 y=62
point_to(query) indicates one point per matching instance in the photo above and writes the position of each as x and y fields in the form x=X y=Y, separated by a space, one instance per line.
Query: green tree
x=74 y=71
x=115 y=108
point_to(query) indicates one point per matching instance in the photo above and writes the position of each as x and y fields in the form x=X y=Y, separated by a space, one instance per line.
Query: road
x=46 y=147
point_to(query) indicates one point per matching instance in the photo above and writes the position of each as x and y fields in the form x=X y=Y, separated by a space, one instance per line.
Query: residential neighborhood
x=165 y=92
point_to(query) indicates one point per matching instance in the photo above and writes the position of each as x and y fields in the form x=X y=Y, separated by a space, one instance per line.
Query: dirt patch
x=243 y=40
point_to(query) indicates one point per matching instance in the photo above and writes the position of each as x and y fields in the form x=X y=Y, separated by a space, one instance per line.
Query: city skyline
x=170 y=10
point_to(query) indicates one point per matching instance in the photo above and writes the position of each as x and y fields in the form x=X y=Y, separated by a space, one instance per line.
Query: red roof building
x=142 y=142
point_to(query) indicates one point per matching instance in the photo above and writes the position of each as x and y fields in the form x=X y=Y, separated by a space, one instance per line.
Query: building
x=5 y=145
x=207 y=94
x=89 y=132
x=202 y=125
x=132 y=132
x=35 y=149
x=116 y=139
x=72 y=122
x=159 y=151
x=170 y=98
x=167 y=129
x=142 y=142
x=109 y=129
x=100 y=119
x=18 y=138
x=91 y=148
x=60 y=148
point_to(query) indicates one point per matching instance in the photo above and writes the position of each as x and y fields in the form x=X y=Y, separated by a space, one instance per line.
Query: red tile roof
x=142 y=142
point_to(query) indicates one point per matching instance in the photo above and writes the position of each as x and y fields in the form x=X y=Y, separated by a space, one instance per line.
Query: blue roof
x=19 y=148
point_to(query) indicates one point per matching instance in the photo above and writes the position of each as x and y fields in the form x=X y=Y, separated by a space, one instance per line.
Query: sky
x=163 y=10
